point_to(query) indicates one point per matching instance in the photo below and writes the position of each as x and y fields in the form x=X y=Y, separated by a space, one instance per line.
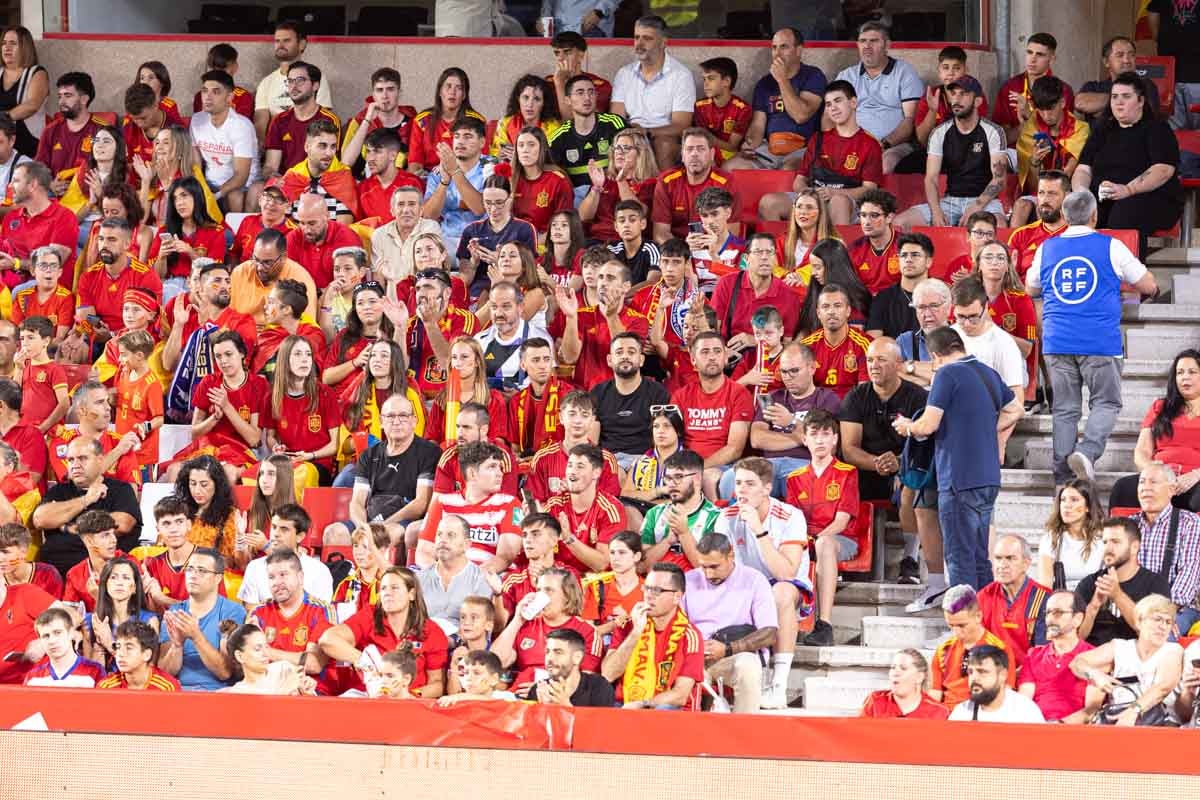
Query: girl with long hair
x=482 y=238
x=174 y=157
x=565 y=243
x=1008 y=305
x=429 y=252
x=186 y=232
x=204 y=488
x=155 y=75
x=539 y=189
x=118 y=201
x=451 y=100
x=25 y=87
x=1072 y=535
x=274 y=486
x=830 y=263
x=104 y=166
x=372 y=316
x=119 y=597
x=531 y=103
x=466 y=358
x=631 y=175
x=808 y=226
x=515 y=263
x=303 y=417
x=247 y=650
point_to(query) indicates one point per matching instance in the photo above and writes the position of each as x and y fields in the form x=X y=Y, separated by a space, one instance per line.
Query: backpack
x=916 y=462
x=339 y=567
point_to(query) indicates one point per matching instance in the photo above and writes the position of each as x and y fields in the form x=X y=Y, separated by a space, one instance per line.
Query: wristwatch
x=910 y=367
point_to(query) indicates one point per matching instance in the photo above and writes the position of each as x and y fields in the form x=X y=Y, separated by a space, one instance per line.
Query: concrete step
x=1041 y=481
x=1032 y=535
x=876 y=594
x=1176 y=313
x=1021 y=511
x=1159 y=341
x=843 y=657
x=1186 y=288
x=900 y=632
x=1118 y=456
x=839 y=694
x=1033 y=425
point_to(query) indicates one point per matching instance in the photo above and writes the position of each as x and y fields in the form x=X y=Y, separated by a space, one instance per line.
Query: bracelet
x=443 y=183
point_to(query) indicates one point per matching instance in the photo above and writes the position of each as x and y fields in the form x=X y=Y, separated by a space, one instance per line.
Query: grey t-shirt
x=443 y=602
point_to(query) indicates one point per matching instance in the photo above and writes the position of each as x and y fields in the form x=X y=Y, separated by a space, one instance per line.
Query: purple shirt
x=744 y=598
x=821 y=398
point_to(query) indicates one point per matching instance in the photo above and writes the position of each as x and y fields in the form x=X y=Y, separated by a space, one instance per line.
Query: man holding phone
x=102 y=287
x=1050 y=139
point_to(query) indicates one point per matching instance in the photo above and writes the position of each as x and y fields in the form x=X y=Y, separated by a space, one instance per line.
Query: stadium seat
x=318 y=20
x=773 y=227
x=243 y=494
x=909 y=190
x=222 y=18
x=1127 y=237
x=948 y=243
x=1161 y=72
x=868 y=529
x=1122 y=511
x=325 y=505
x=389 y=20
x=749 y=185
x=76 y=374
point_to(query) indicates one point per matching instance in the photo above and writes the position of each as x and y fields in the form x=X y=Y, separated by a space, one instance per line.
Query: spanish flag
x=453 y=404
x=1141 y=28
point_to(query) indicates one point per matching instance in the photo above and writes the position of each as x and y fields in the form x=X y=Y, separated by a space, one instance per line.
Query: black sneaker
x=821 y=636
x=910 y=571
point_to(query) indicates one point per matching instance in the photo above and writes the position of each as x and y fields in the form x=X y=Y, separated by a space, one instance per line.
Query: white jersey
x=784 y=525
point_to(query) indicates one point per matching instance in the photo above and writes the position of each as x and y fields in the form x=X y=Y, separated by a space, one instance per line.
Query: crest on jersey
x=851 y=161
x=572 y=155
x=833 y=491
x=850 y=362
x=1009 y=321
x=526 y=643
x=314 y=423
x=893 y=266
x=300 y=637
x=543 y=200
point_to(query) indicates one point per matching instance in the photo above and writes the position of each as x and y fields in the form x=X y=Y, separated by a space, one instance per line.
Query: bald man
x=870 y=443
x=313 y=242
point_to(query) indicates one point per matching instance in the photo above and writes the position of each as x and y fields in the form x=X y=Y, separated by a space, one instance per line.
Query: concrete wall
x=347 y=65
x=1080 y=26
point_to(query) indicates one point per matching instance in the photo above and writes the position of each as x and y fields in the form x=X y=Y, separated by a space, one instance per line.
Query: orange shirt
x=59 y=308
x=614 y=601
x=139 y=401
x=948 y=669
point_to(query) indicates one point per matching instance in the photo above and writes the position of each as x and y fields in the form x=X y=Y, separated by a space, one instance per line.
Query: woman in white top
x=247 y=646
x=1155 y=662
x=1072 y=535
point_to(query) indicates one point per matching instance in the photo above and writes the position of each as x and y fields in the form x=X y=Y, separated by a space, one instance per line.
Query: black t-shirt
x=592 y=691
x=1178 y=27
x=892 y=312
x=1104 y=87
x=967 y=157
x=1109 y=623
x=393 y=480
x=1121 y=154
x=64 y=550
x=625 y=419
x=640 y=263
x=864 y=406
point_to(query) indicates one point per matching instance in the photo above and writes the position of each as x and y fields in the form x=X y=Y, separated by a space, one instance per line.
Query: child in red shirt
x=725 y=115
x=43 y=382
x=139 y=395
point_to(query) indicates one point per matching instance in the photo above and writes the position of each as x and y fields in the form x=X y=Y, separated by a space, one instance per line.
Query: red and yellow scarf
x=645 y=677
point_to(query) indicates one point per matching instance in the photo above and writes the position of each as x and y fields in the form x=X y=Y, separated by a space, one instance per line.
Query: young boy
x=139 y=396
x=62 y=666
x=46 y=298
x=762 y=379
x=16 y=566
x=981 y=229
x=162 y=575
x=135 y=648
x=724 y=114
x=634 y=250
x=139 y=308
x=827 y=492
x=716 y=252
x=395 y=674
x=481 y=681
x=952 y=65
x=1051 y=139
x=43 y=382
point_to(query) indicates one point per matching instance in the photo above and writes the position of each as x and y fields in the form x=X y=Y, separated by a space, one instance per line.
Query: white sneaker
x=774 y=697
x=931 y=599
x=1082 y=466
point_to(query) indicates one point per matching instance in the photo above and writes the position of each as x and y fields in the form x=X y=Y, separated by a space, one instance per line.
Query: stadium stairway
x=869 y=620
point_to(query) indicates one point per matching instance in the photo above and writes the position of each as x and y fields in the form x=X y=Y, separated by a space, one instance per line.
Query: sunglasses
x=434 y=274
x=665 y=408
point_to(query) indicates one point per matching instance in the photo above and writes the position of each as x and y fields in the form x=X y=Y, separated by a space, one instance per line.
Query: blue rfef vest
x=1081 y=297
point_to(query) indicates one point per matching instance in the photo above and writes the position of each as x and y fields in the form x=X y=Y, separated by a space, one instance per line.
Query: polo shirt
x=443 y=602
x=744 y=598
x=777 y=294
x=880 y=98
x=650 y=103
x=965 y=448
x=25 y=232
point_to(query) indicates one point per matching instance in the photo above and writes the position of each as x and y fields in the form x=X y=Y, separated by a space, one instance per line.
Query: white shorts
x=953 y=208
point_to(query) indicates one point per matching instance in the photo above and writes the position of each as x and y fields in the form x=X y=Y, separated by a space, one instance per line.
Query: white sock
x=912 y=546
x=782 y=663
x=936 y=580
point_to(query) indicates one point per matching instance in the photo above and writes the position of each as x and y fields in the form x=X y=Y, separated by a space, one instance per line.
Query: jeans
x=965 y=516
x=1068 y=376
x=345 y=478
x=1186 y=94
x=784 y=465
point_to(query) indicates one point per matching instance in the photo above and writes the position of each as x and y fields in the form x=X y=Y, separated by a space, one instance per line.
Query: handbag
x=827 y=178
x=1156 y=716
x=1060 y=572
x=916 y=462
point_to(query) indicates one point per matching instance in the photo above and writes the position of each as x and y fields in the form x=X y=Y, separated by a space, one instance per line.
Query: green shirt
x=701 y=521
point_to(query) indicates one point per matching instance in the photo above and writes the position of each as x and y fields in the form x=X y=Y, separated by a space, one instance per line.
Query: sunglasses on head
x=434 y=274
x=665 y=408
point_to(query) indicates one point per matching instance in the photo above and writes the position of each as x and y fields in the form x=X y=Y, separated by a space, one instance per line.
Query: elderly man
x=656 y=92
x=1118 y=54
x=1014 y=605
x=931 y=300
x=947 y=678
x=786 y=104
x=1046 y=677
x=888 y=92
x=722 y=597
x=34 y=221
x=102 y=286
x=677 y=188
x=870 y=444
x=392 y=244
x=452 y=577
x=85 y=489
x=1170 y=538
x=1082 y=338
x=252 y=280
x=313 y=244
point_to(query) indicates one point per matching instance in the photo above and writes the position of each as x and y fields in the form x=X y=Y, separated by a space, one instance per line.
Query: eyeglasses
x=665 y=408
x=296 y=81
x=398 y=417
x=870 y=215
x=770 y=253
x=623 y=148
x=929 y=306
x=266 y=262
x=433 y=275
x=676 y=477
x=200 y=571
x=655 y=591
x=495 y=203
x=994 y=258
x=970 y=319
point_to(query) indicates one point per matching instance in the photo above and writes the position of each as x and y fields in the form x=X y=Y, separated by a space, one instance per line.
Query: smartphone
x=1196 y=663
x=14 y=656
x=764 y=401
x=94 y=320
x=1042 y=139
x=695 y=227
x=536 y=605
x=527 y=498
x=165 y=237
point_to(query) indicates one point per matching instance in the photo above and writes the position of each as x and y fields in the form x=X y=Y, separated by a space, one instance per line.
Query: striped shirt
x=1184 y=571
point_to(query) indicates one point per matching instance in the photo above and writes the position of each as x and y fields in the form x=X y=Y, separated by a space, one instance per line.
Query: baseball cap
x=274 y=189
x=967 y=83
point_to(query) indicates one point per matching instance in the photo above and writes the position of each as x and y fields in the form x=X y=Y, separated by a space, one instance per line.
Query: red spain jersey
x=518 y=583
x=59 y=307
x=1005 y=115
x=61 y=148
x=707 y=417
x=22 y=604
x=47 y=577
x=449 y=478
x=39 y=383
x=208 y=242
x=100 y=290
x=881 y=705
x=431 y=650
x=592 y=368
x=252 y=397
x=83 y=674
x=648 y=299
x=549 y=465
x=538 y=200
x=498 y=427
x=876 y=269
x=249 y=229
x=494 y=517
x=603 y=601
x=534 y=420
x=403 y=130
x=300 y=427
x=1014 y=312
x=822 y=496
x=686 y=654
x=749 y=363
x=858 y=157
x=951 y=272
x=159 y=681
x=126 y=469
x=430 y=376
x=139 y=401
x=531 y=649
x=603 y=520
x=948 y=668
x=293 y=634
x=675 y=198
x=723 y=122
x=171 y=579
x=840 y=367
x=427 y=132
x=287 y=132
x=1024 y=242
x=1021 y=623
x=375 y=199
x=75 y=589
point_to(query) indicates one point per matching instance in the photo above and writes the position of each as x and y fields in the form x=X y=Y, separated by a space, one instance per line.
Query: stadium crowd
x=608 y=438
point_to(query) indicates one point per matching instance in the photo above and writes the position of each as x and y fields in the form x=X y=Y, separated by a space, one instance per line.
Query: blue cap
x=967 y=83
